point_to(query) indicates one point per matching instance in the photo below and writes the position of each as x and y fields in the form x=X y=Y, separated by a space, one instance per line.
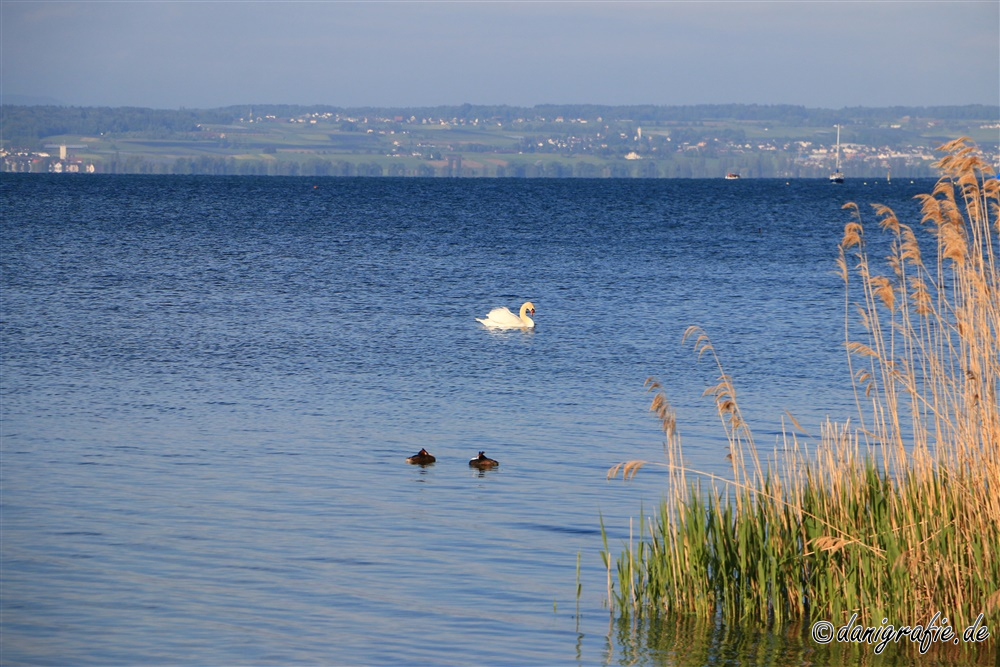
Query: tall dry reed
x=896 y=515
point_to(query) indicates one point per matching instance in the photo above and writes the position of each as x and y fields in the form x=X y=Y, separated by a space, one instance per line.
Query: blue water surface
x=210 y=386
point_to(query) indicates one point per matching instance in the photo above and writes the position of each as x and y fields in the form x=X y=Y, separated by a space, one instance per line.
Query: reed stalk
x=896 y=515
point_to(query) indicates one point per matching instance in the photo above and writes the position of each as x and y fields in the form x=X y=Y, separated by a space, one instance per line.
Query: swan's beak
x=532 y=311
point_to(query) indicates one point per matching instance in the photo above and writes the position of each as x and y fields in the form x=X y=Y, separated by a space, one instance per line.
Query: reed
x=896 y=515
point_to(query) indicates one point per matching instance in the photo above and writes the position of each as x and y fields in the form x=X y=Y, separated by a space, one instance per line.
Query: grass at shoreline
x=896 y=515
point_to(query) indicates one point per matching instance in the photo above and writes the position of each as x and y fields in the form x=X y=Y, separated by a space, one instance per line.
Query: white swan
x=502 y=318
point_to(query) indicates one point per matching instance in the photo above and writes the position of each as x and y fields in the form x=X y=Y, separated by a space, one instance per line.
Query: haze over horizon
x=209 y=54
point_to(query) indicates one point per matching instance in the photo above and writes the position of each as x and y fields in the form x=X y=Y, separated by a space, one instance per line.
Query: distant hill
x=549 y=140
x=21 y=121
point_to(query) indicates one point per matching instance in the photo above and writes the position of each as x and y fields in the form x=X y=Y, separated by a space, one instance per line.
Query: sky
x=213 y=53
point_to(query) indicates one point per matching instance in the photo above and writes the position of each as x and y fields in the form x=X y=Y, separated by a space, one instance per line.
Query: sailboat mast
x=838 y=148
x=837 y=176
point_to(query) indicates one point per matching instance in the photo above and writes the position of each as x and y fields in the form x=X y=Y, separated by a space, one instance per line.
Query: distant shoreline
x=470 y=141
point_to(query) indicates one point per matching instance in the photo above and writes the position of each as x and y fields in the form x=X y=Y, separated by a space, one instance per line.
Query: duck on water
x=421 y=458
x=483 y=462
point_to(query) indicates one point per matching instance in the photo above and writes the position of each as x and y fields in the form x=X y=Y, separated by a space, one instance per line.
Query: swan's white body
x=502 y=318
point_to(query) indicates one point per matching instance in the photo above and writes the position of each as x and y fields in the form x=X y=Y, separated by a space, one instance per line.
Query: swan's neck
x=528 y=322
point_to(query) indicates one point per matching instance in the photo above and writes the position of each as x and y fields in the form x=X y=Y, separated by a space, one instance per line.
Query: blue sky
x=203 y=54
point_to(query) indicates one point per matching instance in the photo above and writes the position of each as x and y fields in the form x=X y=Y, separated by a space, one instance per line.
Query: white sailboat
x=837 y=176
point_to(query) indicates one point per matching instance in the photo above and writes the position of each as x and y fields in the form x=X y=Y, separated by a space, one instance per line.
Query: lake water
x=210 y=387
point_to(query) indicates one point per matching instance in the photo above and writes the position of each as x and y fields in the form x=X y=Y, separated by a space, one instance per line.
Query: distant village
x=806 y=152
x=24 y=160
x=331 y=143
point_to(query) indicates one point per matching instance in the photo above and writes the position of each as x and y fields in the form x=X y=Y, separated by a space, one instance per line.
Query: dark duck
x=422 y=458
x=483 y=462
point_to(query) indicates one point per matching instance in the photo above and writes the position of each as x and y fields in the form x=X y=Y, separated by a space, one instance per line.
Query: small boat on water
x=837 y=176
x=732 y=176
